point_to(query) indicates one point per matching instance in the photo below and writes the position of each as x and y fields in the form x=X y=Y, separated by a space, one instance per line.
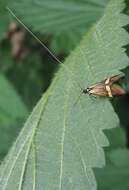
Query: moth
x=106 y=87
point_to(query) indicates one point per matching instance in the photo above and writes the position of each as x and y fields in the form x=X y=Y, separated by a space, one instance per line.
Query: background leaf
x=12 y=114
x=117 y=138
x=4 y=18
x=58 y=149
x=14 y=108
x=115 y=174
x=60 y=18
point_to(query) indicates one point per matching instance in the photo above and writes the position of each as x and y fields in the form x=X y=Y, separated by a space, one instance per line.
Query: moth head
x=85 y=91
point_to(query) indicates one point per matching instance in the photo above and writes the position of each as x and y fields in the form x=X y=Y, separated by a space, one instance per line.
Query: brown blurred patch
x=17 y=41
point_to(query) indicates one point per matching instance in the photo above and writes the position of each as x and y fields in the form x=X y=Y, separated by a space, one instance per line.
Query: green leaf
x=12 y=112
x=115 y=176
x=60 y=143
x=8 y=134
x=57 y=16
x=122 y=154
x=116 y=137
x=4 y=18
x=11 y=105
x=66 y=20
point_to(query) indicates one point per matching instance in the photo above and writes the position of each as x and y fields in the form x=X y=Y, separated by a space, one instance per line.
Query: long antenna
x=45 y=47
x=12 y=13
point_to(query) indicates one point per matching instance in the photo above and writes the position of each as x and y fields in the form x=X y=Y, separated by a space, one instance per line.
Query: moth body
x=106 y=88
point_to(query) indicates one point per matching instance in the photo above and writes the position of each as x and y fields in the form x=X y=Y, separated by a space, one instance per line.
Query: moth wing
x=98 y=90
x=117 y=90
x=98 y=85
x=115 y=78
x=100 y=93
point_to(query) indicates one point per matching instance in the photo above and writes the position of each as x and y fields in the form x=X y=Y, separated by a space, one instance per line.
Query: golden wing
x=115 y=78
x=117 y=90
x=98 y=89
